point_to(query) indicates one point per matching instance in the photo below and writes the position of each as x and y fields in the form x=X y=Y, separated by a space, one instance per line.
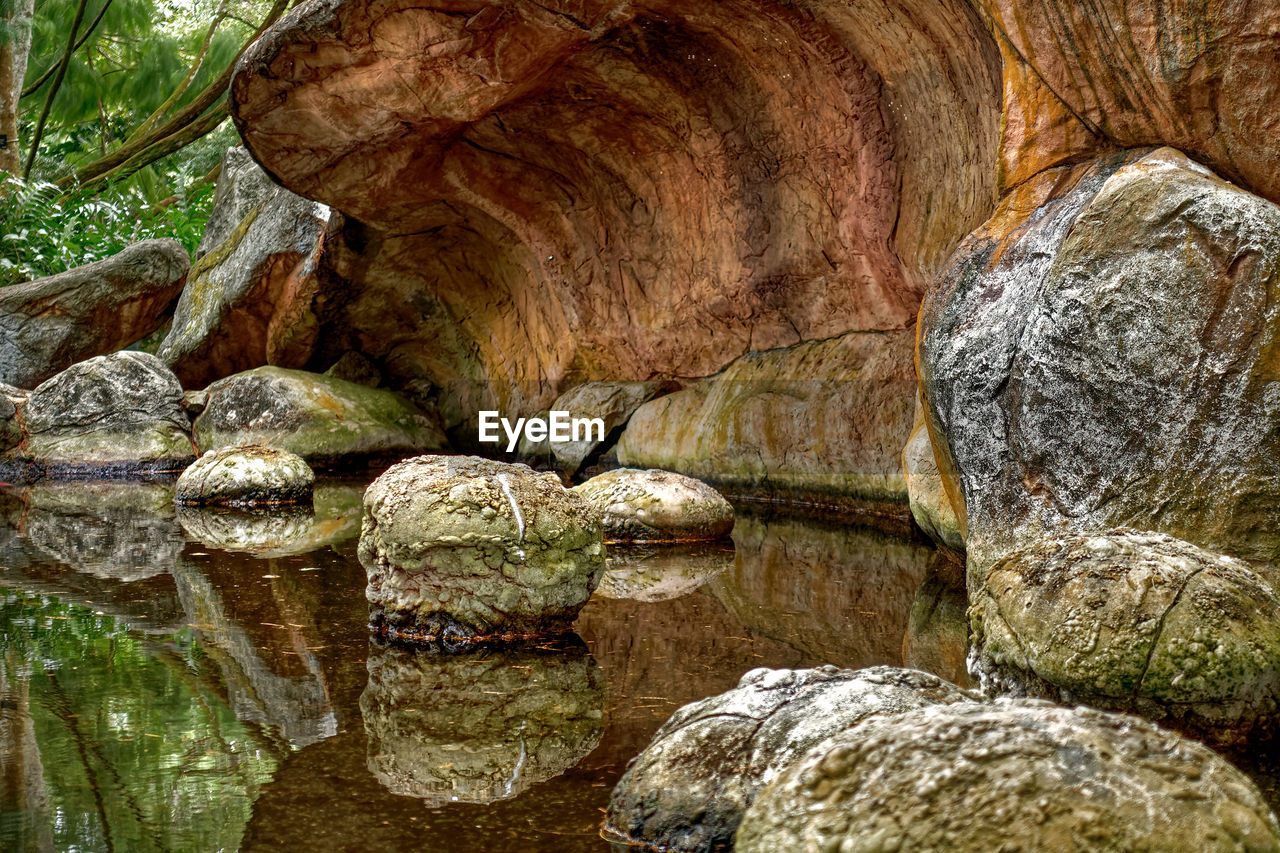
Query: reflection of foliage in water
x=139 y=750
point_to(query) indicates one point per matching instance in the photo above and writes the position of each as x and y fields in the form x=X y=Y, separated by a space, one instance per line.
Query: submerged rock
x=461 y=547
x=331 y=517
x=657 y=506
x=112 y=415
x=1134 y=621
x=326 y=421
x=248 y=300
x=481 y=727
x=1099 y=355
x=1017 y=775
x=245 y=476
x=690 y=787
x=51 y=323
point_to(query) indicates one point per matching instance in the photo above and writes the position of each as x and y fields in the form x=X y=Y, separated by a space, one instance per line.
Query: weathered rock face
x=1134 y=621
x=1100 y=354
x=322 y=419
x=557 y=193
x=1021 y=775
x=10 y=426
x=657 y=506
x=51 y=323
x=245 y=476
x=927 y=493
x=111 y=415
x=332 y=517
x=478 y=728
x=611 y=402
x=457 y=547
x=824 y=419
x=249 y=300
x=689 y=789
x=1084 y=78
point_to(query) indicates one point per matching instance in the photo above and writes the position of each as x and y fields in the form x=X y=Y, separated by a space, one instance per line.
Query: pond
x=207 y=682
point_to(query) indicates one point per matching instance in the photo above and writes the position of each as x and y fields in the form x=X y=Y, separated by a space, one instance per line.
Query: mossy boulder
x=462 y=548
x=1014 y=775
x=245 y=476
x=657 y=506
x=325 y=420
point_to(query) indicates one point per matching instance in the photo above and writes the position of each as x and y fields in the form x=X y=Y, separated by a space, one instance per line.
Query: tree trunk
x=15 y=46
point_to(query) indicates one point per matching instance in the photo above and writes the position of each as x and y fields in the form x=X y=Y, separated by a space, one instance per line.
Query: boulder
x=822 y=420
x=1134 y=621
x=324 y=420
x=613 y=403
x=926 y=492
x=51 y=323
x=479 y=728
x=248 y=299
x=463 y=548
x=112 y=415
x=657 y=506
x=663 y=572
x=245 y=476
x=690 y=787
x=330 y=518
x=1016 y=775
x=1099 y=355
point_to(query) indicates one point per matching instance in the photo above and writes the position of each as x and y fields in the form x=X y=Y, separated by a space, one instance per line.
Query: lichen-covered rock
x=1134 y=621
x=665 y=571
x=108 y=416
x=1015 y=775
x=821 y=420
x=479 y=728
x=51 y=323
x=324 y=420
x=332 y=517
x=10 y=426
x=611 y=402
x=244 y=476
x=1100 y=354
x=248 y=299
x=690 y=787
x=926 y=492
x=657 y=506
x=459 y=547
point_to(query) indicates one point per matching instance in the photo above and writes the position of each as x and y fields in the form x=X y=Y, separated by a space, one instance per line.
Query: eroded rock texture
x=1080 y=78
x=250 y=297
x=49 y=324
x=689 y=789
x=1016 y=775
x=1134 y=621
x=1101 y=353
x=547 y=194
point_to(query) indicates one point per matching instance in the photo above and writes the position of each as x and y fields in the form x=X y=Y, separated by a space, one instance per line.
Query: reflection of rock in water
x=272 y=675
x=278 y=531
x=116 y=531
x=479 y=727
x=839 y=593
x=662 y=572
x=938 y=628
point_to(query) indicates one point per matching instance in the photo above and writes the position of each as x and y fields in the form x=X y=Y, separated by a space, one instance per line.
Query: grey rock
x=612 y=402
x=245 y=476
x=51 y=323
x=1134 y=621
x=1017 y=775
x=707 y=764
x=462 y=547
x=478 y=728
x=657 y=506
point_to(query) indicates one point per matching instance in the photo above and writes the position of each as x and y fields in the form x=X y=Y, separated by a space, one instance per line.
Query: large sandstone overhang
x=540 y=194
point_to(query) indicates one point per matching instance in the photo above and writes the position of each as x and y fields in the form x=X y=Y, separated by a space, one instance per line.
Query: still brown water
x=207 y=682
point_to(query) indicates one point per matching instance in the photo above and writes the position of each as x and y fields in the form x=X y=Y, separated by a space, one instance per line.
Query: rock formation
x=689 y=789
x=656 y=506
x=613 y=403
x=461 y=548
x=1016 y=775
x=51 y=323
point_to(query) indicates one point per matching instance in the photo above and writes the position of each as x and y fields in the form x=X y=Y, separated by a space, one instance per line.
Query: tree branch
x=53 y=90
x=30 y=90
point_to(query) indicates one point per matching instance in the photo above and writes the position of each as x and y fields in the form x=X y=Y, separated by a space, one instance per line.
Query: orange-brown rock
x=1081 y=78
x=543 y=194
